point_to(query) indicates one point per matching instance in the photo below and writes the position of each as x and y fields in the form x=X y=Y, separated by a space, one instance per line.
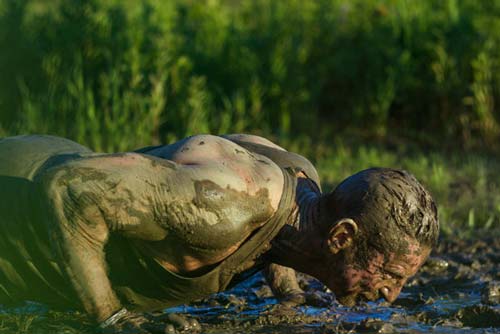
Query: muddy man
x=121 y=235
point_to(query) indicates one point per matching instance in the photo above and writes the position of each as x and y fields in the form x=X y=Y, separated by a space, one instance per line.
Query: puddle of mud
x=457 y=291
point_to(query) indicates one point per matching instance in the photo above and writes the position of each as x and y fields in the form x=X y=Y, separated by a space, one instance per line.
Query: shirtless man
x=121 y=235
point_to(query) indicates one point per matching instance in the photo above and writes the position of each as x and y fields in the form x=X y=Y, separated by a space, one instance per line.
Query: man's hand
x=283 y=283
x=315 y=298
x=143 y=323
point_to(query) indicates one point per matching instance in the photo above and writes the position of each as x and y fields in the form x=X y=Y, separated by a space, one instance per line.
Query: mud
x=218 y=224
x=456 y=291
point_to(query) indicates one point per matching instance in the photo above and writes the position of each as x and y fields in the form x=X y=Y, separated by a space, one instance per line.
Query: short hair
x=387 y=204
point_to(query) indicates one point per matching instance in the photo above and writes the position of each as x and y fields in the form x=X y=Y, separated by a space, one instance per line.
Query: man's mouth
x=370 y=296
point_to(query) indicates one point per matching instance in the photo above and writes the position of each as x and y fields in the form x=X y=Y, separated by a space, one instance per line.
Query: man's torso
x=245 y=186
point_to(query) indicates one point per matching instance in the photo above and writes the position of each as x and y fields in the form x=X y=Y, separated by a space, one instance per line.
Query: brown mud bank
x=457 y=291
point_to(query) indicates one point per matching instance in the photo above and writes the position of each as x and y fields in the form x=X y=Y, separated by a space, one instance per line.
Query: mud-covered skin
x=278 y=278
x=201 y=204
x=383 y=277
x=281 y=279
x=397 y=206
x=352 y=274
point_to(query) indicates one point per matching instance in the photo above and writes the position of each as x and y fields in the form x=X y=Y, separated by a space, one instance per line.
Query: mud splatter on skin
x=389 y=206
x=83 y=174
x=216 y=217
x=94 y=195
x=75 y=197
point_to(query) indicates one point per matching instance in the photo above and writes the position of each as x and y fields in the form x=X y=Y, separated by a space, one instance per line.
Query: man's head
x=379 y=226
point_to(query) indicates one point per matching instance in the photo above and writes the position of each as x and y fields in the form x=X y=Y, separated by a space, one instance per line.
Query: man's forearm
x=282 y=280
x=87 y=271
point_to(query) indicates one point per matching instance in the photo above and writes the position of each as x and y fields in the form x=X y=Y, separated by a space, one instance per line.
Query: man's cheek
x=373 y=282
x=352 y=279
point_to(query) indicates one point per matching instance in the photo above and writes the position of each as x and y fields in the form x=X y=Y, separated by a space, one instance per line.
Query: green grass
x=29 y=322
x=115 y=73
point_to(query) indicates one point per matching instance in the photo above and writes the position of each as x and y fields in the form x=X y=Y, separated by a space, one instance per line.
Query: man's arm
x=80 y=222
x=89 y=199
x=137 y=196
x=284 y=284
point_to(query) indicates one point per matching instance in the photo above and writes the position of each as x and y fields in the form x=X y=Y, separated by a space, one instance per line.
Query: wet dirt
x=456 y=291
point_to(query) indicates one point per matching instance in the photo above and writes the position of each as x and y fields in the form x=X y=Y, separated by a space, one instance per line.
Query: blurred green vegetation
x=409 y=77
x=36 y=320
x=465 y=188
x=115 y=73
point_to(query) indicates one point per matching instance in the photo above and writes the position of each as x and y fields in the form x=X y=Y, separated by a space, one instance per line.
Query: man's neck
x=307 y=200
x=298 y=243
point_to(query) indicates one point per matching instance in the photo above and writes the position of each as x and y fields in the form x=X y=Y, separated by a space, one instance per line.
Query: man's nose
x=390 y=293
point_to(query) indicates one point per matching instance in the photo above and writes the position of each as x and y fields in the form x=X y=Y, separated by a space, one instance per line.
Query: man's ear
x=341 y=235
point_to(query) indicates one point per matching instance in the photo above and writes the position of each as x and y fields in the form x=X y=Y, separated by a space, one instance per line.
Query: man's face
x=381 y=278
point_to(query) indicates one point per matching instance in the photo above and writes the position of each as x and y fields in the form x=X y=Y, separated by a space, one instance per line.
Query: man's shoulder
x=277 y=154
x=214 y=143
x=196 y=149
x=226 y=162
x=250 y=138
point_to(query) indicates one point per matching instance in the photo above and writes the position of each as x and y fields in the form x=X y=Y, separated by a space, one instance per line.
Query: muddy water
x=457 y=291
